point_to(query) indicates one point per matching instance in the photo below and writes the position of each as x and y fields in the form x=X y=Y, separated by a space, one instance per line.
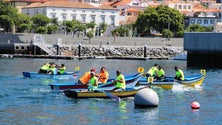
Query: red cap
x=93 y=70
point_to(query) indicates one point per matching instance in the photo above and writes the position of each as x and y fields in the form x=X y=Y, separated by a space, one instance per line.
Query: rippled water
x=31 y=101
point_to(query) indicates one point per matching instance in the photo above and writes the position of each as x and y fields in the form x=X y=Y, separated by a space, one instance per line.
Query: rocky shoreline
x=121 y=51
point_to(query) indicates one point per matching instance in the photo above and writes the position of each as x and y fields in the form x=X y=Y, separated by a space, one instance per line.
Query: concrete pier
x=203 y=49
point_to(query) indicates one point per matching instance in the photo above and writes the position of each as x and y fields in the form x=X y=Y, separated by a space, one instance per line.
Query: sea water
x=31 y=101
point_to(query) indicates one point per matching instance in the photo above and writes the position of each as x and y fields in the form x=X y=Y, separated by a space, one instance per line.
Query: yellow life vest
x=179 y=73
x=152 y=71
x=62 y=70
x=160 y=73
x=120 y=84
x=91 y=85
x=45 y=67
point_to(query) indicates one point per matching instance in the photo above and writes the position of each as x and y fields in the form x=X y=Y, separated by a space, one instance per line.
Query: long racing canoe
x=129 y=92
x=66 y=75
x=168 y=82
x=131 y=81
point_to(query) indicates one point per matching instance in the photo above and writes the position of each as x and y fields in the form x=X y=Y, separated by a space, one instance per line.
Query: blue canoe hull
x=131 y=81
x=66 y=75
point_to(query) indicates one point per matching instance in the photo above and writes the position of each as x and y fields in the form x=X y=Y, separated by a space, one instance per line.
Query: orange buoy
x=195 y=105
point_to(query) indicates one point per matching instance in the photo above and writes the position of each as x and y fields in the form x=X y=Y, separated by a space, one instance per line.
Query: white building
x=84 y=12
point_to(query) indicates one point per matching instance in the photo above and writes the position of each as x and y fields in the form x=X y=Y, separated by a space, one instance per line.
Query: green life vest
x=152 y=71
x=62 y=70
x=45 y=67
x=160 y=73
x=120 y=84
x=179 y=73
x=92 y=85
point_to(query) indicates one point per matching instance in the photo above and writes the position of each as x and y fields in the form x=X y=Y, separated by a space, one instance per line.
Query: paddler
x=119 y=81
x=160 y=73
x=61 y=69
x=179 y=74
x=93 y=82
x=52 y=69
x=152 y=72
x=86 y=77
x=103 y=75
x=44 y=68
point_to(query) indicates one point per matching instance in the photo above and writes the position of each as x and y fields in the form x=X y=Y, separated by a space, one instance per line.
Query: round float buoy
x=146 y=97
x=195 y=105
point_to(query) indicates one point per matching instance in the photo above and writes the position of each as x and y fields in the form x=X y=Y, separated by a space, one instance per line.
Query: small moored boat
x=131 y=81
x=129 y=92
x=66 y=75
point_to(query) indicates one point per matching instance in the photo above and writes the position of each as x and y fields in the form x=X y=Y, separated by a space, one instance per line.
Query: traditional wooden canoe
x=129 y=92
x=131 y=81
x=168 y=82
x=66 y=75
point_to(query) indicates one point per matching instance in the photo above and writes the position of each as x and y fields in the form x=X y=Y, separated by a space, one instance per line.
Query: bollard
x=145 y=47
x=57 y=49
x=79 y=47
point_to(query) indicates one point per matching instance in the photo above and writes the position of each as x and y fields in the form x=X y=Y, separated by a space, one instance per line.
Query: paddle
x=77 y=68
x=150 y=81
x=111 y=95
x=140 y=70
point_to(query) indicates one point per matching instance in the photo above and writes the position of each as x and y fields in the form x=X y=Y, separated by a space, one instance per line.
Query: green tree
x=6 y=22
x=91 y=25
x=69 y=26
x=40 y=20
x=41 y=30
x=103 y=27
x=159 y=18
x=167 y=33
x=23 y=23
x=8 y=13
x=52 y=26
x=199 y=28
x=122 y=31
x=90 y=35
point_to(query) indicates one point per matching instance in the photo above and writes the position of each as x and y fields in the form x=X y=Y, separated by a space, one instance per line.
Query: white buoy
x=146 y=97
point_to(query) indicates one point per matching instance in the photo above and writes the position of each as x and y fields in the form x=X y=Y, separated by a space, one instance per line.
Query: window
x=212 y=21
x=93 y=18
x=189 y=7
x=103 y=18
x=64 y=17
x=73 y=16
x=129 y=14
x=112 y=18
x=199 y=21
x=180 y=7
x=53 y=9
x=36 y=11
x=184 y=7
x=64 y=10
x=135 y=4
x=83 y=18
x=205 y=21
x=53 y=15
x=192 y=21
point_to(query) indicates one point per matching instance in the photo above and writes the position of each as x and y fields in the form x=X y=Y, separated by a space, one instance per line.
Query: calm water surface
x=31 y=101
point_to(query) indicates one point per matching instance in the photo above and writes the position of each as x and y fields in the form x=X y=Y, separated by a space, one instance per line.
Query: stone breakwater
x=121 y=51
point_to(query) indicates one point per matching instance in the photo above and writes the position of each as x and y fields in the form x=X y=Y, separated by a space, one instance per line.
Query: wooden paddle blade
x=140 y=70
x=77 y=68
